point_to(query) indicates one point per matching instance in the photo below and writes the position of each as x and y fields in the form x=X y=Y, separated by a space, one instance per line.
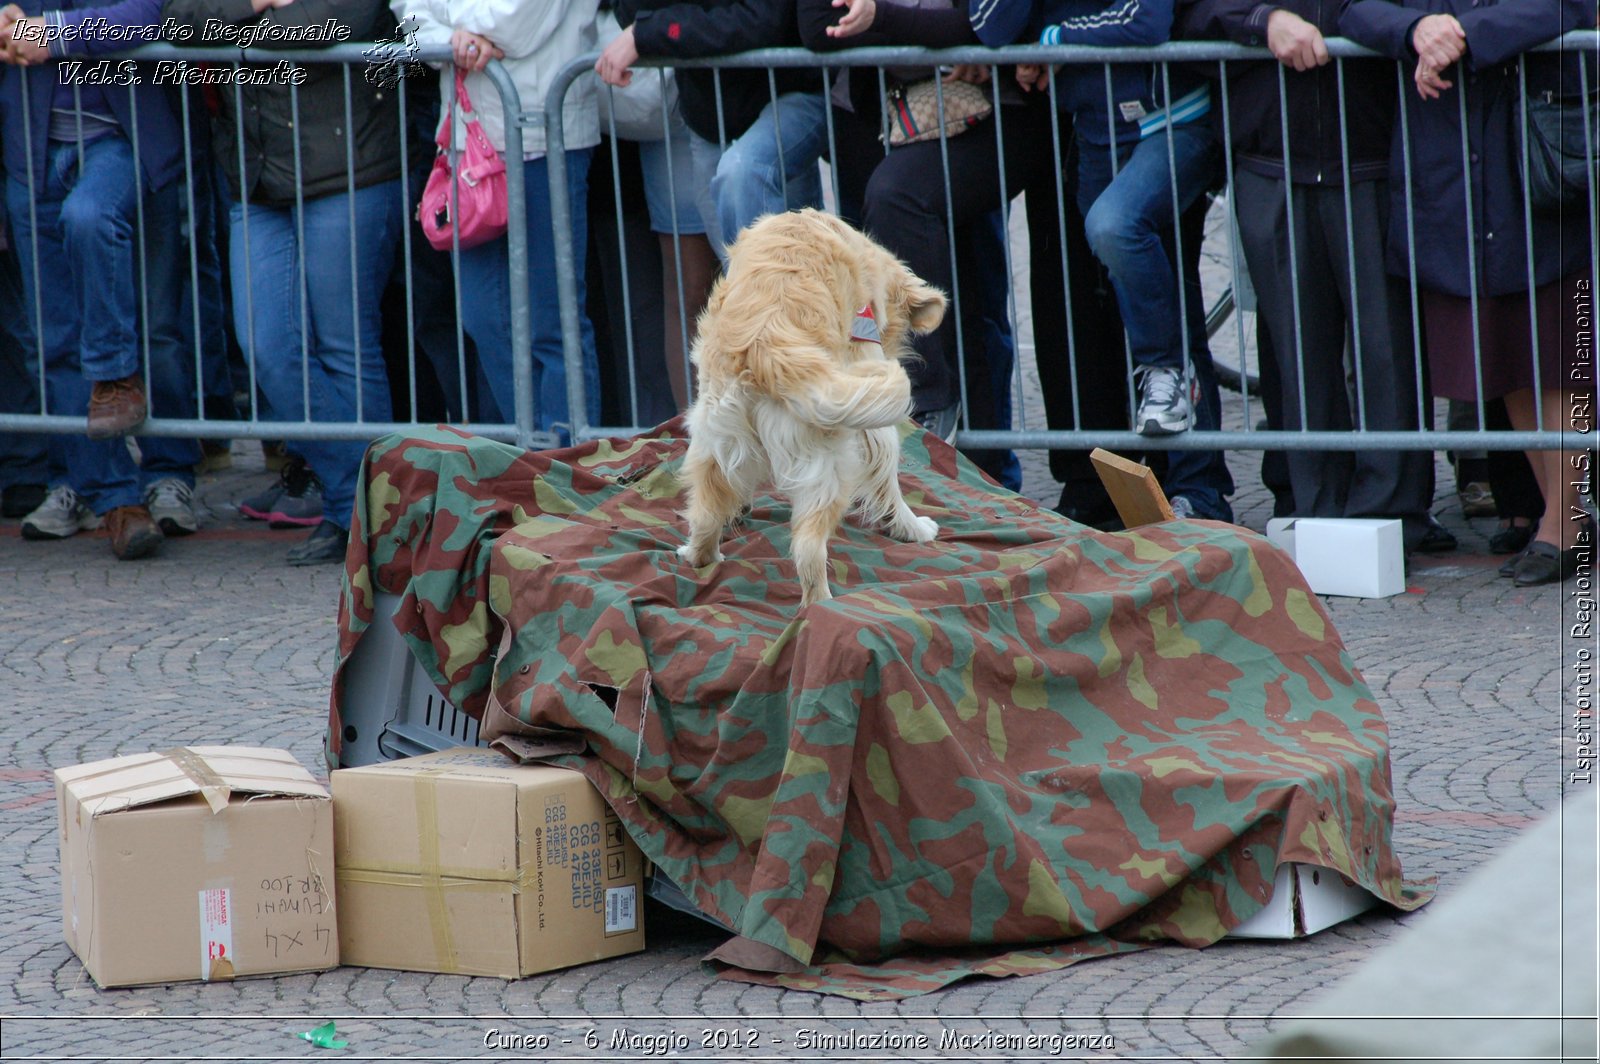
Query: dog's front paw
x=695 y=559
x=917 y=530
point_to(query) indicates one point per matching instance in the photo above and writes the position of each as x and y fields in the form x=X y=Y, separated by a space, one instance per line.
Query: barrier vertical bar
x=1233 y=246
x=355 y=258
x=622 y=256
x=406 y=251
x=1527 y=232
x=517 y=257
x=1350 y=252
x=1061 y=237
x=1294 y=257
x=1472 y=247
x=1417 y=353
x=194 y=255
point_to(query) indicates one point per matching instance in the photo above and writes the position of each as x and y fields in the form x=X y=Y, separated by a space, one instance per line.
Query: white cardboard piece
x=1280 y=533
x=1356 y=556
x=1305 y=900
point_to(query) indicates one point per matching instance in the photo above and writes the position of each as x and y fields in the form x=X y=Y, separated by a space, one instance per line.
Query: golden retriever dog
x=798 y=353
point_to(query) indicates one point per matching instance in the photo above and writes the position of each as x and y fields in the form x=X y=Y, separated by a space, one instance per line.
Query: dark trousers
x=900 y=200
x=1317 y=393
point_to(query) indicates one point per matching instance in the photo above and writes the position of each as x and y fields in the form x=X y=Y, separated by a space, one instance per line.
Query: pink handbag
x=477 y=192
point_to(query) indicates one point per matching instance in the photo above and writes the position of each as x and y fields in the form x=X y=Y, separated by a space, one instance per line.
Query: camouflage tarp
x=1024 y=744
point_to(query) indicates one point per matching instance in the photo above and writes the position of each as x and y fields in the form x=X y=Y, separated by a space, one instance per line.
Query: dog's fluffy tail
x=867 y=395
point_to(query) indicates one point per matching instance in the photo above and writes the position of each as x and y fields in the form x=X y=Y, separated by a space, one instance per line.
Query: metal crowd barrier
x=353 y=57
x=1218 y=56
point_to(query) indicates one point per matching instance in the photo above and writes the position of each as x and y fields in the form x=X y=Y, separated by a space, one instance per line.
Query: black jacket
x=696 y=30
x=1312 y=97
x=269 y=134
x=1498 y=31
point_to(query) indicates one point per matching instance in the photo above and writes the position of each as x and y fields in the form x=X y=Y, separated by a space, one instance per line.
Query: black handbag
x=1563 y=161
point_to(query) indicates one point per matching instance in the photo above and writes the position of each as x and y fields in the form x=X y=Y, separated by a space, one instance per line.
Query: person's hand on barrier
x=1033 y=77
x=615 y=62
x=856 y=20
x=24 y=42
x=265 y=5
x=472 y=51
x=975 y=73
x=1429 y=81
x=1439 y=41
x=1294 y=42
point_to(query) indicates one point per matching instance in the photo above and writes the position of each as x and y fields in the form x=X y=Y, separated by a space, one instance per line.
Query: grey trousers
x=1362 y=310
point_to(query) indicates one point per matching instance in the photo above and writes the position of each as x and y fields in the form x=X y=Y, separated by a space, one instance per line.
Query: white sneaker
x=1165 y=407
x=171 y=505
x=62 y=514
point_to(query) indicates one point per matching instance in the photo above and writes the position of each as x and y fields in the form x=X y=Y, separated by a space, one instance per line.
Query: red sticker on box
x=216 y=935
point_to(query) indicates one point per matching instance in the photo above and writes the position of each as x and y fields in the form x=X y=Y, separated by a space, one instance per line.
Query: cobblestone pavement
x=216 y=640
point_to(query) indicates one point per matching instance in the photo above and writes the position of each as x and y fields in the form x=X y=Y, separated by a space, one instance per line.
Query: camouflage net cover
x=1020 y=746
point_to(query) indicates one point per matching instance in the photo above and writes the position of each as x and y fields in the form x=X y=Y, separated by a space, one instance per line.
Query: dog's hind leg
x=881 y=495
x=713 y=503
x=815 y=519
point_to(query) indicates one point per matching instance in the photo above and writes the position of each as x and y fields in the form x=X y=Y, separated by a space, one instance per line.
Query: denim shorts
x=663 y=196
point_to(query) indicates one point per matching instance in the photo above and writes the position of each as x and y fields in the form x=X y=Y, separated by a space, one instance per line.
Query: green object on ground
x=324 y=1037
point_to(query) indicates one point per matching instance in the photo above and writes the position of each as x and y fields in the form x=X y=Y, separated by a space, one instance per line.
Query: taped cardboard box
x=204 y=862
x=463 y=862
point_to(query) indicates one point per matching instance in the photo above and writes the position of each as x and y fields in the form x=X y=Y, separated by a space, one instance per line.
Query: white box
x=1356 y=556
x=1305 y=900
x=1280 y=533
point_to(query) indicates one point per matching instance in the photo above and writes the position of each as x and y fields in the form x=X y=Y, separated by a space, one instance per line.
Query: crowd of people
x=263 y=226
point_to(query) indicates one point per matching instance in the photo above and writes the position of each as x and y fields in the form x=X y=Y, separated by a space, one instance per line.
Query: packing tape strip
x=211 y=785
x=452 y=872
x=412 y=878
x=426 y=793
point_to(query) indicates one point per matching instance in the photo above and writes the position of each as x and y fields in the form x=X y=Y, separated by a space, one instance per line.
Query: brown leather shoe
x=116 y=407
x=134 y=533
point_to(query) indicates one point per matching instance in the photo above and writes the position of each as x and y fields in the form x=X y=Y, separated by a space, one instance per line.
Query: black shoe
x=326 y=543
x=1437 y=539
x=1511 y=540
x=1544 y=563
x=20 y=500
x=1509 y=568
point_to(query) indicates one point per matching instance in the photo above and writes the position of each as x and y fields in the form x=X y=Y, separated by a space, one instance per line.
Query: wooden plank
x=1133 y=489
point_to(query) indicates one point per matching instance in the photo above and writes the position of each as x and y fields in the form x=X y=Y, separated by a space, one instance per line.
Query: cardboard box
x=463 y=862
x=1356 y=556
x=1305 y=900
x=205 y=862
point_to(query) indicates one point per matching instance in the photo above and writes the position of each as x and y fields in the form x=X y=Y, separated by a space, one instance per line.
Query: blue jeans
x=1129 y=221
x=174 y=386
x=486 y=305
x=24 y=456
x=84 y=246
x=772 y=166
x=328 y=349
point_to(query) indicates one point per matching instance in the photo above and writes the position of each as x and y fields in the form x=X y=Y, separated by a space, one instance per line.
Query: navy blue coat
x=160 y=138
x=1498 y=31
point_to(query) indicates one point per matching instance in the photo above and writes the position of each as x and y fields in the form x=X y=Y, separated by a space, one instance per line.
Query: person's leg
x=772 y=166
x=348 y=380
x=624 y=289
x=1551 y=469
x=175 y=383
x=486 y=295
x=687 y=260
x=1125 y=227
x=1382 y=483
x=24 y=456
x=264 y=267
x=97 y=225
x=1199 y=477
x=909 y=215
x=991 y=348
x=91 y=257
x=1307 y=328
x=1081 y=373
x=549 y=355
x=705 y=156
